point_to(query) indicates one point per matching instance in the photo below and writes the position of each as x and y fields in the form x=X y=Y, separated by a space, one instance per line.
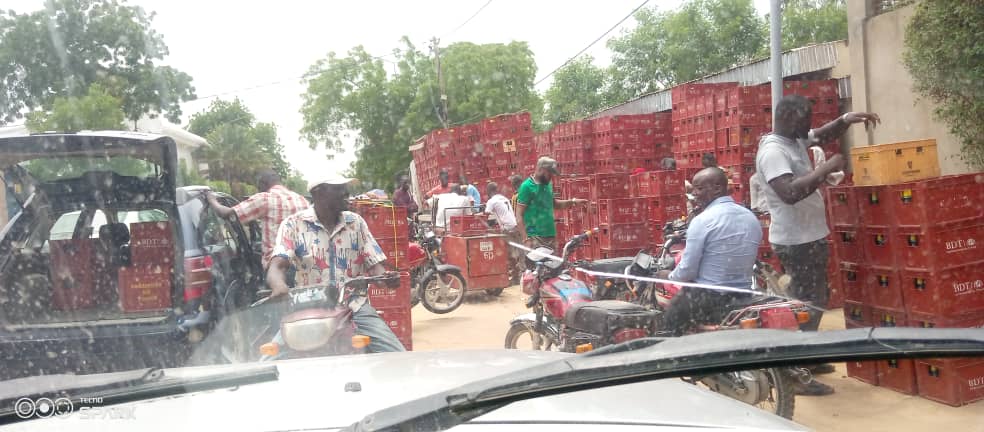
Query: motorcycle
x=432 y=279
x=564 y=317
x=770 y=389
x=317 y=324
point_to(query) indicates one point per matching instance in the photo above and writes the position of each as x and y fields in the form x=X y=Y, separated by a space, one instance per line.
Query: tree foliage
x=59 y=52
x=388 y=109
x=806 y=22
x=669 y=47
x=945 y=57
x=578 y=90
x=239 y=146
x=96 y=110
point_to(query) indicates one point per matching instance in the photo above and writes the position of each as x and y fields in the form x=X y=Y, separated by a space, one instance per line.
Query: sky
x=257 y=50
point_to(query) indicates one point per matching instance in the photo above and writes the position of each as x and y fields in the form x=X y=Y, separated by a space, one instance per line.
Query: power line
x=467 y=20
x=592 y=43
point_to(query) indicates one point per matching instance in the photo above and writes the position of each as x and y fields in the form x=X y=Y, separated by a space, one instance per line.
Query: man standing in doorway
x=328 y=244
x=799 y=221
x=270 y=206
x=535 y=213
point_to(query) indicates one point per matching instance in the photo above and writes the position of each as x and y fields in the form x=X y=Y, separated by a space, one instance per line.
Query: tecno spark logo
x=86 y=409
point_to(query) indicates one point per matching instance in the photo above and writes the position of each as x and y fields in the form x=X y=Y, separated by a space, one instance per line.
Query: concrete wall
x=881 y=84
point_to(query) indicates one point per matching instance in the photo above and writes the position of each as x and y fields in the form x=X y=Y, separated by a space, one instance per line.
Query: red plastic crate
x=666 y=208
x=952 y=292
x=857 y=315
x=612 y=185
x=939 y=201
x=659 y=183
x=898 y=375
x=952 y=381
x=383 y=297
x=745 y=136
x=623 y=122
x=399 y=320
x=889 y=317
x=617 y=253
x=836 y=298
x=875 y=207
x=467 y=225
x=880 y=246
x=852 y=278
x=395 y=251
x=622 y=210
x=384 y=221
x=736 y=156
x=882 y=288
x=927 y=320
x=940 y=248
x=842 y=206
x=623 y=236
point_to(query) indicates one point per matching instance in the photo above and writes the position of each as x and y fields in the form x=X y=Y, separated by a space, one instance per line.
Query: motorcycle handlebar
x=391 y=279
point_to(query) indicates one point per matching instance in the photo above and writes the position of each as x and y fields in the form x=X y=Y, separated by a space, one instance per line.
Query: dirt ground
x=483 y=320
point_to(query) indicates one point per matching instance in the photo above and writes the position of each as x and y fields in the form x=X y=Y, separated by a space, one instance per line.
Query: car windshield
x=461 y=190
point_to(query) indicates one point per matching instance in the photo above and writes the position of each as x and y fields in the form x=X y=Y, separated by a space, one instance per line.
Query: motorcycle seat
x=609 y=265
x=753 y=300
x=598 y=317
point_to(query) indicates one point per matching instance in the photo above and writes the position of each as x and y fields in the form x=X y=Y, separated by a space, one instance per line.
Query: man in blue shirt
x=471 y=191
x=722 y=244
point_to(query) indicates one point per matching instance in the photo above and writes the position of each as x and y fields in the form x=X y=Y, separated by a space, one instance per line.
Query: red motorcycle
x=770 y=389
x=564 y=317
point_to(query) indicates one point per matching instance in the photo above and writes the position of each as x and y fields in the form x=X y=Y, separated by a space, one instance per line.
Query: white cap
x=336 y=181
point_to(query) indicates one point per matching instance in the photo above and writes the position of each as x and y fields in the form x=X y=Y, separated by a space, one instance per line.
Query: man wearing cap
x=270 y=206
x=328 y=244
x=536 y=203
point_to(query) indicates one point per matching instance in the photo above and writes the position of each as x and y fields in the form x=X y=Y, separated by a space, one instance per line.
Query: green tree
x=96 y=110
x=239 y=146
x=577 y=90
x=806 y=22
x=670 y=47
x=388 y=110
x=945 y=57
x=71 y=44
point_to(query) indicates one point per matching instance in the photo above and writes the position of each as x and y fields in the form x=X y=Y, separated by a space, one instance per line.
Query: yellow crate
x=895 y=163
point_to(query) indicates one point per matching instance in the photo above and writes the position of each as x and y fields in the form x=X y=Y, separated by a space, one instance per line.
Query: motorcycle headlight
x=309 y=334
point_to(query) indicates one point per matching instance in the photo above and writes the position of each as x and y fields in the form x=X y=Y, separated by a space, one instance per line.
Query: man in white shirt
x=501 y=207
x=450 y=204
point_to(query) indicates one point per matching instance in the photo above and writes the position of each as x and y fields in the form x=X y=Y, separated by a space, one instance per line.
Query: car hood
x=157 y=149
x=312 y=394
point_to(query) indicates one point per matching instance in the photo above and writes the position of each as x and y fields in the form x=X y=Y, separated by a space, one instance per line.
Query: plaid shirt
x=271 y=208
x=304 y=241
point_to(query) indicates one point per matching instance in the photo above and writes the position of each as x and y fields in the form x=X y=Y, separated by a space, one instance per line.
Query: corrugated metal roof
x=799 y=61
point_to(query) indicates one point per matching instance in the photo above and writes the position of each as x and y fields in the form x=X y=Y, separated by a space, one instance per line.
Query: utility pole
x=775 y=32
x=436 y=49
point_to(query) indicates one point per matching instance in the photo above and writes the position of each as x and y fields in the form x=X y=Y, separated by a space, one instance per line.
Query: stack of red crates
x=919 y=264
x=693 y=122
x=572 y=146
x=624 y=143
x=665 y=195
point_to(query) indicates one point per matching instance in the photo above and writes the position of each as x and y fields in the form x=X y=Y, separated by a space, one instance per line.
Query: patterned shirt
x=304 y=242
x=271 y=208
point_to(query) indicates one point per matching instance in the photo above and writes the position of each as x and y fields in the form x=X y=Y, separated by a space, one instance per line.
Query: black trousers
x=806 y=264
x=695 y=306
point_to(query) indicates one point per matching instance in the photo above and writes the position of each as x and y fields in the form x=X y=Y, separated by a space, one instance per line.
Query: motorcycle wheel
x=781 y=398
x=495 y=292
x=523 y=332
x=430 y=292
x=415 y=288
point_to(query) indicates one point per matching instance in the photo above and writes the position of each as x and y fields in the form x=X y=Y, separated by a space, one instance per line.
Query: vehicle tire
x=523 y=330
x=494 y=292
x=415 y=288
x=429 y=292
x=784 y=393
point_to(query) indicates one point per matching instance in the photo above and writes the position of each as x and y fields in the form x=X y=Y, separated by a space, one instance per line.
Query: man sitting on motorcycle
x=324 y=255
x=722 y=244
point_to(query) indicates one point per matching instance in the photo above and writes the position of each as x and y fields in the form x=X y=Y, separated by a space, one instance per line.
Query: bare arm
x=793 y=190
x=836 y=128
x=562 y=204
x=277 y=276
x=520 y=222
x=221 y=210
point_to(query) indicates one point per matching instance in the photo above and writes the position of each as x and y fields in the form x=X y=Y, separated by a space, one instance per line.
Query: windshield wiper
x=124 y=387
x=659 y=358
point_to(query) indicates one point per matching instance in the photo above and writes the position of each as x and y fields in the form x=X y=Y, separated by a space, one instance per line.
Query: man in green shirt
x=536 y=203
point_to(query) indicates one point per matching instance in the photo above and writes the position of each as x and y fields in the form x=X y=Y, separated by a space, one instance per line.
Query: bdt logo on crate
x=959 y=245
x=968 y=287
